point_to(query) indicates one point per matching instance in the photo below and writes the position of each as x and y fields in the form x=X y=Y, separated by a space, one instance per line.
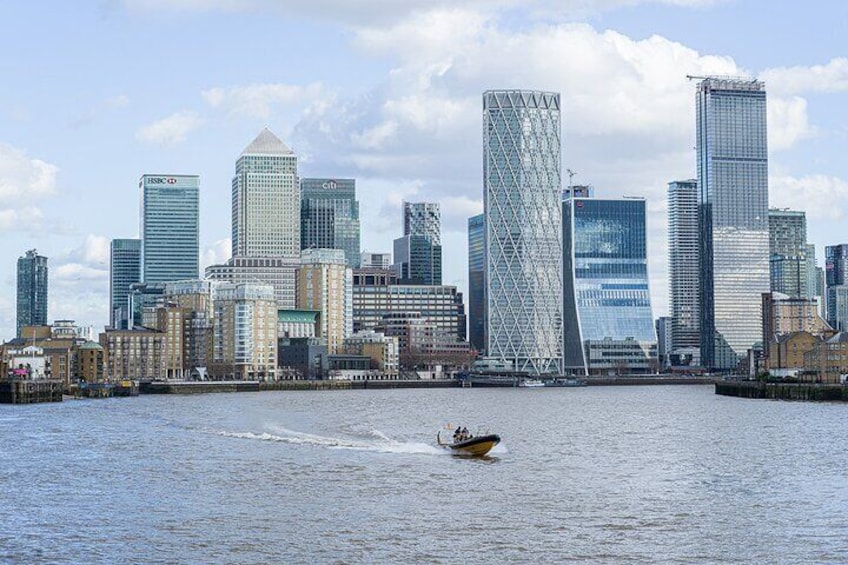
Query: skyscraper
x=329 y=216
x=683 y=264
x=607 y=304
x=477 y=282
x=732 y=158
x=522 y=183
x=788 y=252
x=418 y=254
x=266 y=200
x=169 y=227
x=836 y=278
x=32 y=290
x=124 y=270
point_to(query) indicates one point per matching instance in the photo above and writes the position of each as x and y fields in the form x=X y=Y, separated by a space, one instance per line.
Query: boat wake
x=380 y=443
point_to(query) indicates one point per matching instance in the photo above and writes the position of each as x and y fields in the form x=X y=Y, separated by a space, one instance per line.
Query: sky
x=96 y=93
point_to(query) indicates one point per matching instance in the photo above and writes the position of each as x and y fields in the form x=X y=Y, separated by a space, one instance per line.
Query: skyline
x=390 y=96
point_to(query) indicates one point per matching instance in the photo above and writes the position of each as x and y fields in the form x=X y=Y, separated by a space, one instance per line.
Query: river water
x=654 y=474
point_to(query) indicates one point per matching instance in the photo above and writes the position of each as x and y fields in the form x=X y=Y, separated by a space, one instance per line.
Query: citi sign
x=161 y=180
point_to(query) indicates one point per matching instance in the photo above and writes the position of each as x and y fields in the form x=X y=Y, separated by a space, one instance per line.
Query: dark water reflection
x=601 y=475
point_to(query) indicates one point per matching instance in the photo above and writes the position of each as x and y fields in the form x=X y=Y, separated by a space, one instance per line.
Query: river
x=640 y=474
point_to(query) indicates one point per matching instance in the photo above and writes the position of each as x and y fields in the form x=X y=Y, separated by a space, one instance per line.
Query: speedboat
x=474 y=446
x=530 y=383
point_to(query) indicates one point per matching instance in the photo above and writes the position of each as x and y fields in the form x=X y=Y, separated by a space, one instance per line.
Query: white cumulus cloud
x=171 y=130
x=258 y=100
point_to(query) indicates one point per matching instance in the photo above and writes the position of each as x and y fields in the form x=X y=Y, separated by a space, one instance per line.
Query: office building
x=683 y=266
x=788 y=253
x=169 y=227
x=266 y=200
x=325 y=284
x=418 y=254
x=279 y=272
x=124 y=270
x=329 y=216
x=522 y=183
x=732 y=162
x=607 y=306
x=423 y=218
x=477 y=282
x=836 y=279
x=32 y=290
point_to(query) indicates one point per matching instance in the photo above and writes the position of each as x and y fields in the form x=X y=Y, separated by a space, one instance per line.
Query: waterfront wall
x=783 y=391
x=26 y=391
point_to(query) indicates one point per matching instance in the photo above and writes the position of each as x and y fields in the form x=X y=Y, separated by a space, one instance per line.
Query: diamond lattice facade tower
x=732 y=160
x=521 y=179
x=266 y=200
x=683 y=264
x=329 y=217
x=32 y=290
x=170 y=228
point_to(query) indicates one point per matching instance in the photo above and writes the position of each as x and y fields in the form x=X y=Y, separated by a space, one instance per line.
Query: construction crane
x=571 y=175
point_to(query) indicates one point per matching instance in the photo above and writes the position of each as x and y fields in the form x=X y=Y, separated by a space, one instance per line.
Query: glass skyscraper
x=477 y=282
x=124 y=270
x=607 y=304
x=836 y=279
x=329 y=216
x=266 y=200
x=683 y=264
x=418 y=254
x=732 y=159
x=788 y=252
x=522 y=184
x=32 y=290
x=169 y=227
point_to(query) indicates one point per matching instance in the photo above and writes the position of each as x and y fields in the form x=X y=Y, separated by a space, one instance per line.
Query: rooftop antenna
x=571 y=175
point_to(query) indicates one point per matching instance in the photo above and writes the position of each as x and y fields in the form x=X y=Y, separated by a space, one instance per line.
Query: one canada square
x=732 y=215
x=521 y=177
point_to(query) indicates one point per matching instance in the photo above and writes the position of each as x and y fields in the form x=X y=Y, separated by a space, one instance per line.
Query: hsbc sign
x=160 y=180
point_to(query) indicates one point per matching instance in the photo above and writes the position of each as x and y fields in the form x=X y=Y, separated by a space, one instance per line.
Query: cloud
x=28 y=219
x=23 y=178
x=787 y=122
x=216 y=254
x=172 y=130
x=93 y=114
x=832 y=77
x=823 y=197
x=258 y=100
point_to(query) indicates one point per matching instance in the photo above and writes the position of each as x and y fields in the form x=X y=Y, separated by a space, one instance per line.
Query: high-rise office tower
x=124 y=270
x=607 y=303
x=169 y=227
x=836 y=279
x=683 y=264
x=266 y=200
x=418 y=254
x=371 y=260
x=788 y=252
x=329 y=216
x=423 y=218
x=477 y=282
x=32 y=290
x=732 y=158
x=522 y=184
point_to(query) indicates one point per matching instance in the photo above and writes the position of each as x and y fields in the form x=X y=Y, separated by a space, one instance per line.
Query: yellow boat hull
x=474 y=447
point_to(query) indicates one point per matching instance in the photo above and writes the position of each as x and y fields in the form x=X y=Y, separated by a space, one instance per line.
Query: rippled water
x=598 y=474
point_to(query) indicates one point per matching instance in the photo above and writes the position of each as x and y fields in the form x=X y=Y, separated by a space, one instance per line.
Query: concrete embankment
x=783 y=391
x=202 y=387
x=26 y=391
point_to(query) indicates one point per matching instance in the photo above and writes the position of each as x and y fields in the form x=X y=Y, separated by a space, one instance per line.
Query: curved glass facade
x=733 y=216
x=523 y=245
x=608 y=317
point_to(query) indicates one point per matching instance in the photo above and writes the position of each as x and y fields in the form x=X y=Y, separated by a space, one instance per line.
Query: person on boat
x=457 y=435
x=465 y=434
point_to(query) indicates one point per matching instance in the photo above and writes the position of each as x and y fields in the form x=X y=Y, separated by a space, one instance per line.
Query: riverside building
x=788 y=253
x=523 y=233
x=325 y=284
x=732 y=160
x=32 y=290
x=607 y=306
x=683 y=266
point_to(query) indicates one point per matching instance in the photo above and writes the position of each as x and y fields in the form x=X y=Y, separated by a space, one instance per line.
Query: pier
x=30 y=391
x=812 y=392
